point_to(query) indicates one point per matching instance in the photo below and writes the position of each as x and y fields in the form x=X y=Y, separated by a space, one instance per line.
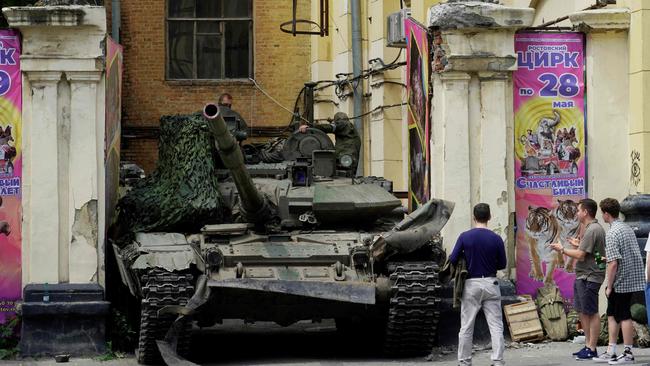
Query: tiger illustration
x=542 y=229
x=566 y=214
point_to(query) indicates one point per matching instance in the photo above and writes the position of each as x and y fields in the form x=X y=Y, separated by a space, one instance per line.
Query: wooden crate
x=523 y=321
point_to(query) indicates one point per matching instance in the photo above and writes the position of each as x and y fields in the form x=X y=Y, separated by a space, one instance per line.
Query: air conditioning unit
x=395 y=28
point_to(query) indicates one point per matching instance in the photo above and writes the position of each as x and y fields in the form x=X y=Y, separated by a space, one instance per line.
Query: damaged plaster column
x=496 y=170
x=450 y=171
x=85 y=92
x=41 y=190
x=63 y=203
x=63 y=56
x=475 y=39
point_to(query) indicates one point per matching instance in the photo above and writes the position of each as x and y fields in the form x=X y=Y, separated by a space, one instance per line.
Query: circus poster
x=10 y=173
x=417 y=84
x=114 y=63
x=550 y=159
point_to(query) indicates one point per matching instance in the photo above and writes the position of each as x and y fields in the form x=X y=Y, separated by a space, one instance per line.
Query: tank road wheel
x=413 y=311
x=161 y=288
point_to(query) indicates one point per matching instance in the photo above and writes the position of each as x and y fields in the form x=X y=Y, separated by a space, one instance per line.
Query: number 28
x=566 y=85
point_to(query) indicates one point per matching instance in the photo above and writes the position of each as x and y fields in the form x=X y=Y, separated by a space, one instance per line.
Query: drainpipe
x=116 y=20
x=357 y=58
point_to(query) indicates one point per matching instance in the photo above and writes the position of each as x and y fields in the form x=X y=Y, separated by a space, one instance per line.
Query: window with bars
x=209 y=39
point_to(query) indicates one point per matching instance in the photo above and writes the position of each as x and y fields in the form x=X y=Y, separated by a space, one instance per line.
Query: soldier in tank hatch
x=347 y=136
x=236 y=123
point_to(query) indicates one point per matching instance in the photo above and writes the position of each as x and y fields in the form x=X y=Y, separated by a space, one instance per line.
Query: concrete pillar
x=84 y=182
x=495 y=175
x=472 y=142
x=452 y=179
x=63 y=70
x=41 y=185
x=63 y=201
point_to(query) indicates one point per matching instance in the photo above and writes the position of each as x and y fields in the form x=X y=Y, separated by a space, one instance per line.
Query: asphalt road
x=235 y=343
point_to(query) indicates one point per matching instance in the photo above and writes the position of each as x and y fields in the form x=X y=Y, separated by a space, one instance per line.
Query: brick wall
x=281 y=66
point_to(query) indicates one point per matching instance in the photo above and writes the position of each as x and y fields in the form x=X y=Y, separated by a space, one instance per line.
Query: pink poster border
x=10 y=173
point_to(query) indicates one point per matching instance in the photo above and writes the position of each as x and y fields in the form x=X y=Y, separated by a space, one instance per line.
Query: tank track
x=161 y=288
x=414 y=309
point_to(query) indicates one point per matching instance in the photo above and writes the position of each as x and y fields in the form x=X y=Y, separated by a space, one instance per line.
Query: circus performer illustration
x=550 y=152
x=7 y=151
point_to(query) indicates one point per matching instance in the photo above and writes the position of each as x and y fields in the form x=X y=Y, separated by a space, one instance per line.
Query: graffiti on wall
x=635 y=170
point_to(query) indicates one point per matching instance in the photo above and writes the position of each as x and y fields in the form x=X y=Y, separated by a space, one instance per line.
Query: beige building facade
x=472 y=141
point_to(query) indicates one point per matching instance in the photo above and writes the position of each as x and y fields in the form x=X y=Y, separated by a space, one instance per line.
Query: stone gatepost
x=472 y=120
x=63 y=194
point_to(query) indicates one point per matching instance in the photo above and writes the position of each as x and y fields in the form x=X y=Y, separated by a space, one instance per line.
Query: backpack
x=551 y=311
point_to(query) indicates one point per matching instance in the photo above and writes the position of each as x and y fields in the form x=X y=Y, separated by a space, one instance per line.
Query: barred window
x=209 y=39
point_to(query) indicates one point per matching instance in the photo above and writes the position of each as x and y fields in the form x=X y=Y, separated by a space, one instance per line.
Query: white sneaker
x=626 y=358
x=605 y=358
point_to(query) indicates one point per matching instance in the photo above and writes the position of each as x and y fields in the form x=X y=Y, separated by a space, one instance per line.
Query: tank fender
x=169 y=251
x=178 y=260
x=414 y=231
x=124 y=257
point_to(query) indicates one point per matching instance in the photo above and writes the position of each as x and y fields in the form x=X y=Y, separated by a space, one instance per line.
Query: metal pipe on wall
x=357 y=60
x=116 y=20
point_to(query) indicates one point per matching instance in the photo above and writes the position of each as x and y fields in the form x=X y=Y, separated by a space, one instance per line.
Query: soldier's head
x=482 y=213
x=340 y=116
x=225 y=100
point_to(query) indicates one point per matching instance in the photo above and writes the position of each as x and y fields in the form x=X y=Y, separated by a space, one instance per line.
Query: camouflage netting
x=572 y=324
x=181 y=194
x=641 y=334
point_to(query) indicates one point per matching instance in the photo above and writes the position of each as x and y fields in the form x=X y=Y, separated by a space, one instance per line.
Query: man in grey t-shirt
x=593 y=244
x=590 y=274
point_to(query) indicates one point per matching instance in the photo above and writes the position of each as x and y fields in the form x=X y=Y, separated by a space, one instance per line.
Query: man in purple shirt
x=485 y=254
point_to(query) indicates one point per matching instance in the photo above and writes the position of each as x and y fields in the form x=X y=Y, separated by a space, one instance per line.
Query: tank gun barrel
x=253 y=205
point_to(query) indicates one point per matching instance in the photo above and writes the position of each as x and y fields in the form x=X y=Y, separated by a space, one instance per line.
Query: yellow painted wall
x=548 y=10
x=639 y=81
x=383 y=135
x=419 y=9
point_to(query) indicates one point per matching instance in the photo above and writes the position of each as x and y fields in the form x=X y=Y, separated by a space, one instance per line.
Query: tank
x=303 y=239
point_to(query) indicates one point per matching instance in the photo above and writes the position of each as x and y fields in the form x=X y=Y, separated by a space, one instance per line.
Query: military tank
x=304 y=239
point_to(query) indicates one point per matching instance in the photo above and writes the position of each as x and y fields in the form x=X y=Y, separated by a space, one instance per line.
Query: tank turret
x=254 y=207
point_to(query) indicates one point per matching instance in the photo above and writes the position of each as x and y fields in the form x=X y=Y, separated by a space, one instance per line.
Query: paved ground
x=319 y=344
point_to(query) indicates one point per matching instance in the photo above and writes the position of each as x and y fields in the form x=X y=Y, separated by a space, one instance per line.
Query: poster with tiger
x=550 y=156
